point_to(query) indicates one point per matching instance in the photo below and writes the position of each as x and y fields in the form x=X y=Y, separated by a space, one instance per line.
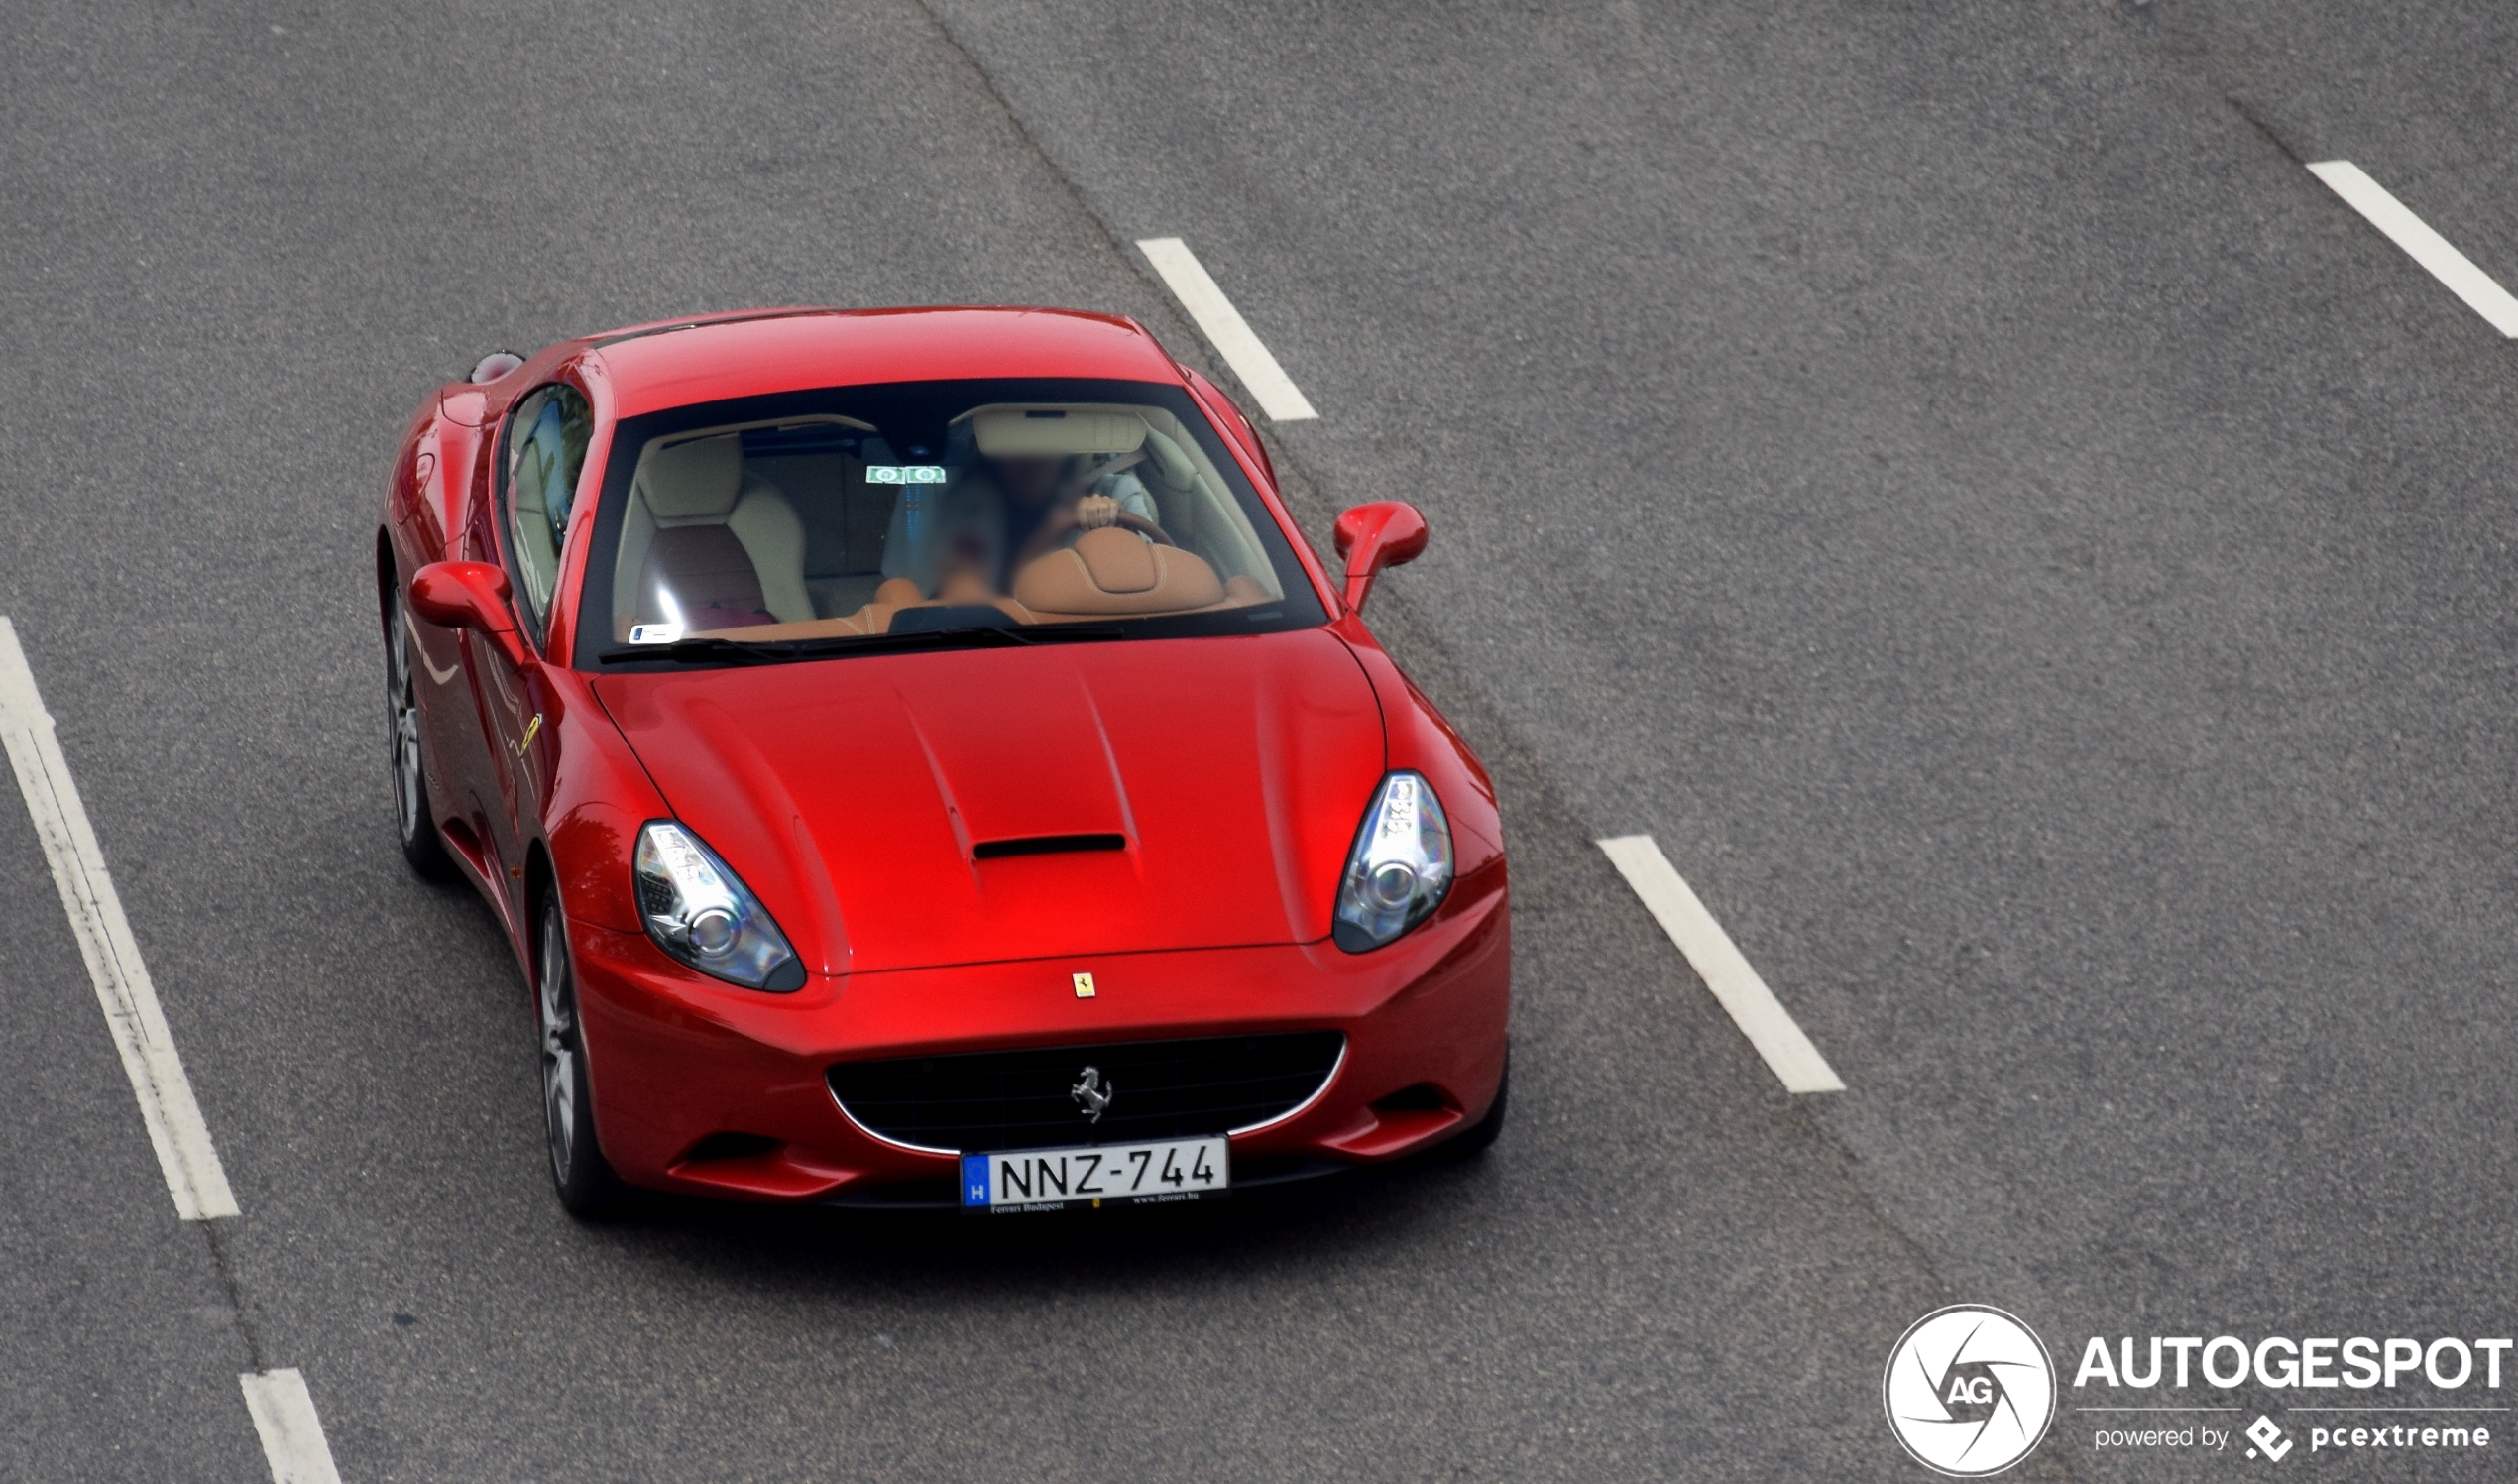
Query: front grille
x=1025 y=1100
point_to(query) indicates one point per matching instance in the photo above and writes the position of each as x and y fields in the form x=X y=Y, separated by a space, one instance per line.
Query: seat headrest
x=1174 y=465
x=698 y=479
x=1039 y=435
x=1114 y=571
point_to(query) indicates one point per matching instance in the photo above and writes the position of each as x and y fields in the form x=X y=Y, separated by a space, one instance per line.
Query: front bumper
x=705 y=1089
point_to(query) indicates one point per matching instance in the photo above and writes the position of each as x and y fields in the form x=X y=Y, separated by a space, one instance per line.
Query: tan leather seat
x=724 y=543
x=1110 y=573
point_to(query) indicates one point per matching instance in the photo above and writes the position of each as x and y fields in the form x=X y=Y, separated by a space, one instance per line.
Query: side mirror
x=468 y=595
x=1372 y=536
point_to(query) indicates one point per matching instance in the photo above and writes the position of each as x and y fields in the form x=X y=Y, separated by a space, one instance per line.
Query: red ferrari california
x=918 y=761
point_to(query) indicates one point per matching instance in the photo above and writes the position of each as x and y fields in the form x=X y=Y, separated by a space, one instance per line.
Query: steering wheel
x=1144 y=527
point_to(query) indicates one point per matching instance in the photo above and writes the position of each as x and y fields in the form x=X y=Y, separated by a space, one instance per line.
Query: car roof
x=676 y=363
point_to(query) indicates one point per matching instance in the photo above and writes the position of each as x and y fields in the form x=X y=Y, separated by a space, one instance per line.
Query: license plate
x=1049 y=1180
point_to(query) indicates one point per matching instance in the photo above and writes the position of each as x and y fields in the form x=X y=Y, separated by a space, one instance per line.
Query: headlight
x=702 y=914
x=1400 y=868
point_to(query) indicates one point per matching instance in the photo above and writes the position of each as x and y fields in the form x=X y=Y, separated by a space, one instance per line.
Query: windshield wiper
x=738 y=652
x=1042 y=633
x=691 y=651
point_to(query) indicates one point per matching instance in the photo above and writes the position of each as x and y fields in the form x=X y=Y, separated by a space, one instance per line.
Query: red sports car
x=917 y=761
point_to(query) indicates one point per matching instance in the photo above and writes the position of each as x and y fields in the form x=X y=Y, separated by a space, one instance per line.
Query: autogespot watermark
x=1971 y=1391
x=1968 y=1390
x=2396 y=1393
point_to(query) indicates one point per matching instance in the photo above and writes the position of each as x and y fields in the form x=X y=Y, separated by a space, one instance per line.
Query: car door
x=523 y=528
x=450 y=477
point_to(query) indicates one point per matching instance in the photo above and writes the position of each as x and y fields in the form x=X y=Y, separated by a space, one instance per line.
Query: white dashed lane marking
x=1718 y=962
x=176 y=1130
x=283 y=1412
x=2481 y=292
x=1234 y=339
x=292 y=1435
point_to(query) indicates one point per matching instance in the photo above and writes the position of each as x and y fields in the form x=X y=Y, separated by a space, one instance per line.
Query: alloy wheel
x=558 y=1002
x=404 y=703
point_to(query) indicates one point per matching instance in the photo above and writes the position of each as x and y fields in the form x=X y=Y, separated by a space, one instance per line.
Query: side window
x=546 y=449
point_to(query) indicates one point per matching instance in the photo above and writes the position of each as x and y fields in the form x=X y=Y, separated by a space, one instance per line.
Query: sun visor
x=1048 y=433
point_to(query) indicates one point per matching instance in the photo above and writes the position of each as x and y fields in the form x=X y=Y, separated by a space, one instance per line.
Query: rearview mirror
x=468 y=595
x=1372 y=536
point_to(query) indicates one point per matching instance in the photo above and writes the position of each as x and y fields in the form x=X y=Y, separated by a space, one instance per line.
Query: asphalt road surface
x=2033 y=558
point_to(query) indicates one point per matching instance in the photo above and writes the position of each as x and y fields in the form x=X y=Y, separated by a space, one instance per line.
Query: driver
x=1050 y=501
x=1008 y=511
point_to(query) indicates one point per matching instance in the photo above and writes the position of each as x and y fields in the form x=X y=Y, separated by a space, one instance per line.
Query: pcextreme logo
x=2267 y=1435
x=1969 y=1391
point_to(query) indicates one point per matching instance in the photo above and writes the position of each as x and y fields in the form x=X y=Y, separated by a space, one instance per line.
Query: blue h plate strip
x=975 y=1179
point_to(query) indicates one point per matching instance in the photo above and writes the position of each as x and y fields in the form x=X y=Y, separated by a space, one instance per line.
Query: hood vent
x=1047 y=844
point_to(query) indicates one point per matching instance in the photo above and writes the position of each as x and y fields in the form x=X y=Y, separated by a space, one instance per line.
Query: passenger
x=964 y=582
x=936 y=528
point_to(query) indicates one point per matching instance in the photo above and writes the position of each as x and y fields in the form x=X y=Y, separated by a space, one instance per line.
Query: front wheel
x=580 y=1173
x=414 y=815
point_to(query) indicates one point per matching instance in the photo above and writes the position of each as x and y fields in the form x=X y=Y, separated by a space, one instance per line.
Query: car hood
x=855 y=795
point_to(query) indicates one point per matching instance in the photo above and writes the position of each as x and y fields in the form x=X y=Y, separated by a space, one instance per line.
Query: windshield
x=802 y=522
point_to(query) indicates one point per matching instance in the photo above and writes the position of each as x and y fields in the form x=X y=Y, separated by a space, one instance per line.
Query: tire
x=583 y=1179
x=415 y=815
x=1480 y=1136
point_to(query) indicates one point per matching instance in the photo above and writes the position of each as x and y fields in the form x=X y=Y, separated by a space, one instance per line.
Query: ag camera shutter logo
x=1969 y=1391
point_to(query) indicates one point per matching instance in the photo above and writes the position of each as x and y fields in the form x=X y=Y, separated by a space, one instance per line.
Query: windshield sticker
x=655 y=633
x=904 y=474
